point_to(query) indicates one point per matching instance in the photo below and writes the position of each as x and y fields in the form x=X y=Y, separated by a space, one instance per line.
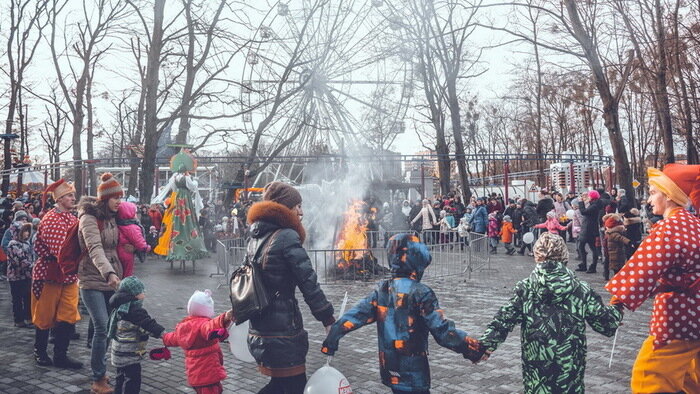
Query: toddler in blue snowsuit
x=405 y=311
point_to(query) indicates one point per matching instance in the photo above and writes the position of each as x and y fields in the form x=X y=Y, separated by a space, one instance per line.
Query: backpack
x=70 y=253
x=247 y=291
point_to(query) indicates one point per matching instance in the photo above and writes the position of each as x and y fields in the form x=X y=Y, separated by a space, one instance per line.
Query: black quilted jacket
x=277 y=338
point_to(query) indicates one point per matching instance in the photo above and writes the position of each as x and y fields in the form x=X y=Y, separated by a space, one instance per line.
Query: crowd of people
x=60 y=254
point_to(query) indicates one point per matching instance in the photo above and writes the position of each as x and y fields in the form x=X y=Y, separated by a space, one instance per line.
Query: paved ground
x=470 y=302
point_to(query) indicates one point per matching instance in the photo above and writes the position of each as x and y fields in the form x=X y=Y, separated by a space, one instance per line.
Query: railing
x=229 y=254
x=451 y=255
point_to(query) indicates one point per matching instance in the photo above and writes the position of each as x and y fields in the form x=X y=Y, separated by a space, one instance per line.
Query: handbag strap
x=254 y=251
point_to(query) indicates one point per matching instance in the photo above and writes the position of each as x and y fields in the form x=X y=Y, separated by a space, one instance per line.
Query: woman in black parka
x=277 y=339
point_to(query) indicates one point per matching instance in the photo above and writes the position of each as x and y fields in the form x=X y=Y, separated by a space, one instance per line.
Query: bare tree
x=648 y=35
x=52 y=132
x=26 y=27
x=91 y=32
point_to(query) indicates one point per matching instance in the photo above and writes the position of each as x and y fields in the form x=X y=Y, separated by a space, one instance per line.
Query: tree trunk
x=459 y=143
x=661 y=88
x=92 y=178
x=134 y=160
x=610 y=103
x=151 y=119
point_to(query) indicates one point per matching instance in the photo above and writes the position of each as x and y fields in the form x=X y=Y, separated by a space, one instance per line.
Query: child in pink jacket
x=130 y=233
x=551 y=224
x=199 y=335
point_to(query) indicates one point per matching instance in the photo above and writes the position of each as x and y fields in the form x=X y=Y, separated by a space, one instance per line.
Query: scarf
x=129 y=285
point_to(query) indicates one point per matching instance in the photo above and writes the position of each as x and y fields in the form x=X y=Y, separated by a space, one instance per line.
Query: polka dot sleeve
x=636 y=281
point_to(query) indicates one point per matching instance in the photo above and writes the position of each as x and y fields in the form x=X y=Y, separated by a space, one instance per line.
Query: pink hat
x=593 y=195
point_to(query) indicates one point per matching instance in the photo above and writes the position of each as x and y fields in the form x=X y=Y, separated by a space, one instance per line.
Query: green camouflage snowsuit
x=552 y=307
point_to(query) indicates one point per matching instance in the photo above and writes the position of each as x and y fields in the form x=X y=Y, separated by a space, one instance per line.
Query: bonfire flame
x=353 y=234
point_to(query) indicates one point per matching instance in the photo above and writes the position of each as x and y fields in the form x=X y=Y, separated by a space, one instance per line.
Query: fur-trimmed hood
x=276 y=214
x=89 y=205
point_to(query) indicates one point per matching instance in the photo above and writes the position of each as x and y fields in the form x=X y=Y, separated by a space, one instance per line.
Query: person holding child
x=405 y=310
x=552 y=307
x=666 y=267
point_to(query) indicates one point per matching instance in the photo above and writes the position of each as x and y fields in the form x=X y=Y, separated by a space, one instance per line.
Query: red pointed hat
x=59 y=189
x=687 y=178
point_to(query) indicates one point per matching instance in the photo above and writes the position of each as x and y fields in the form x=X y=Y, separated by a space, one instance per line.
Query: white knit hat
x=201 y=304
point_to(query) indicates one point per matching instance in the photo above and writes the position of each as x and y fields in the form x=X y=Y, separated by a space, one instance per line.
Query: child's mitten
x=474 y=349
x=220 y=333
x=161 y=353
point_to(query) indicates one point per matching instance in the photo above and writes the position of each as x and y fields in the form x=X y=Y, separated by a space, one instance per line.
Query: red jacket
x=156 y=218
x=204 y=361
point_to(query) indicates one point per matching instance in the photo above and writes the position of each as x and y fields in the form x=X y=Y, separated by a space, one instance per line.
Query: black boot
x=60 y=350
x=41 y=342
x=581 y=267
x=591 y=269
x=74 y=335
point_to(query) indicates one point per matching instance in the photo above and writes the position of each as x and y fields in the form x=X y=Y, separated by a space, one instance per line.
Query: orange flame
x=354 y=233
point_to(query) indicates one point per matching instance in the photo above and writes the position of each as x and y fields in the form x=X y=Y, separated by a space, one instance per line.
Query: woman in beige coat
x=100 y=270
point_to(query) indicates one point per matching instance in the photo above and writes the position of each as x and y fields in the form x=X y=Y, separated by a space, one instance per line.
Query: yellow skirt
x=167 y=223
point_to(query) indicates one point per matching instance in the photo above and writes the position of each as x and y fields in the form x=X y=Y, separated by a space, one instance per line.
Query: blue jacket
x=405 y=311
x=479 y=219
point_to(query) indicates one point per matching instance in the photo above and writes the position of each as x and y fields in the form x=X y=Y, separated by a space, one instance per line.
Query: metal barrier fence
x=229 y=254
x=450 y=256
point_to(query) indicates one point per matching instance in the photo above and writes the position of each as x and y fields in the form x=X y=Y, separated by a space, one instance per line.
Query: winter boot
x=101 y=386
x=41 y=342
x=60 y=350
x=581 y=267
x=591 y=269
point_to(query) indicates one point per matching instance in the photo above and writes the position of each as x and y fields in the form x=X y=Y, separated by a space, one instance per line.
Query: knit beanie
x=550 y=247
x=20 y=215
x=282 y=193
x=612 y=221
x=507 y=218
x=109 y=187
x=593 y=195
x=201 y=304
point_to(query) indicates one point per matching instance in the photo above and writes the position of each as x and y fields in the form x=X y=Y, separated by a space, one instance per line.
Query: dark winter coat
x=590 y=228
x=405 y=311
x=133 y=330
x=20 y=254
x=544 y=205
x=625 y=204
x=616 y=243
x=517 y=217
x=479 y=220
x=530 y=217
x=633 y=226
x=415 y=211
x=277 y=339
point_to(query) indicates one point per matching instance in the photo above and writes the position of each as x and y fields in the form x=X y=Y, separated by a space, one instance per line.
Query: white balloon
x=327 y=380
x=528 y=238
x=570 y=214
x=238 y=342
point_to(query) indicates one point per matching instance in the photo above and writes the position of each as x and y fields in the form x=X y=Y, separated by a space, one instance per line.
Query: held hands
x=475 y=350
x=220 y=333
x=161 y=353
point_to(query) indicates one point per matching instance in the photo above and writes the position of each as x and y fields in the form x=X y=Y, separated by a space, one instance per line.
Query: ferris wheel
x=326 y=76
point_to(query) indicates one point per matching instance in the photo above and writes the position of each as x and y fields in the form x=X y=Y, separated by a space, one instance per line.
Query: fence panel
x=451 y=255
